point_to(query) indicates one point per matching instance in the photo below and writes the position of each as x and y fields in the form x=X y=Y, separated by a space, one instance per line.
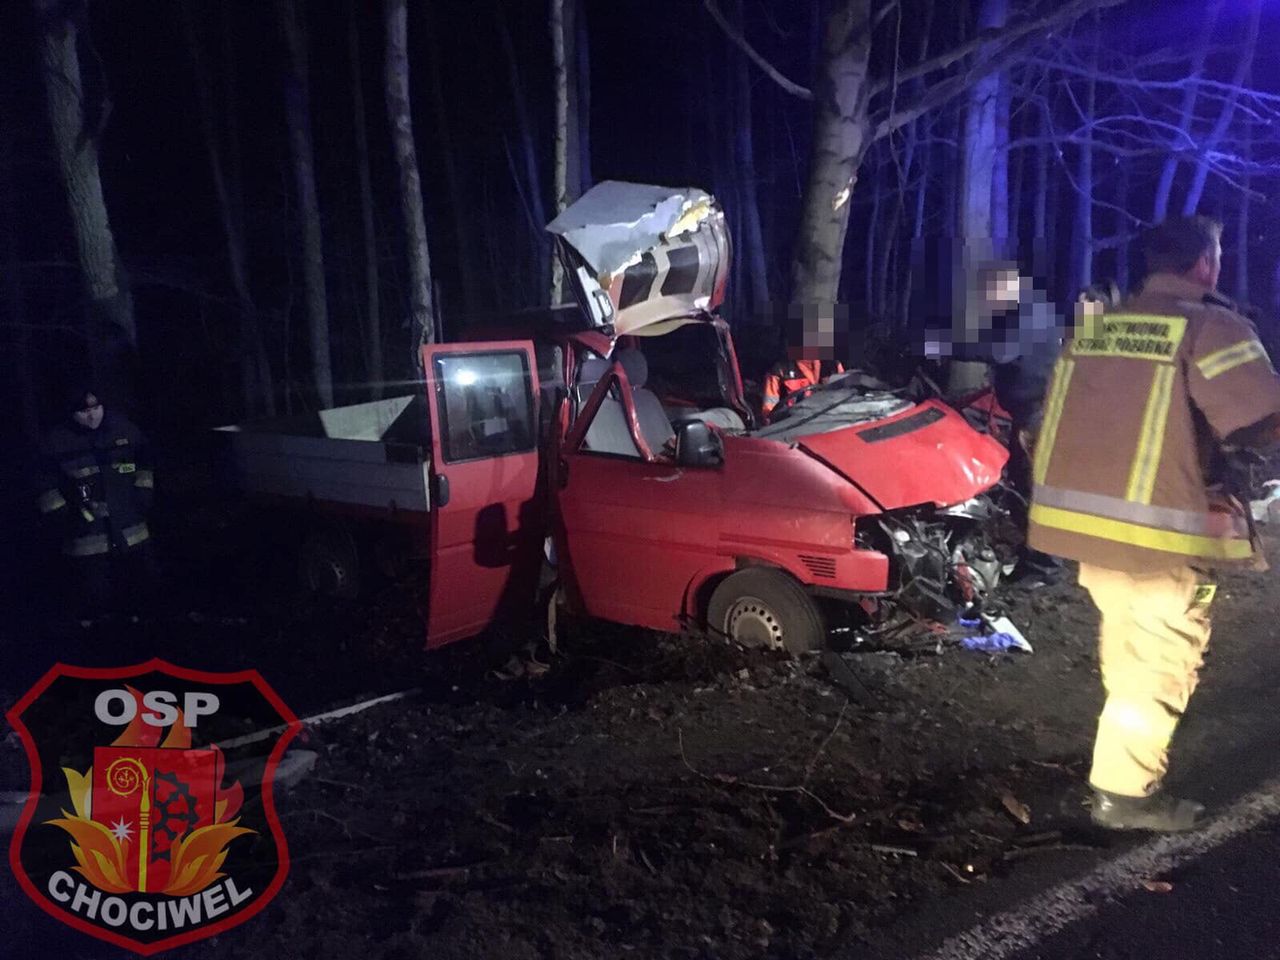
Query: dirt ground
x=676 y=797
x=658 y=796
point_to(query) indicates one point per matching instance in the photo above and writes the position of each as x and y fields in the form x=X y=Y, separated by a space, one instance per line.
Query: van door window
x=486 y=404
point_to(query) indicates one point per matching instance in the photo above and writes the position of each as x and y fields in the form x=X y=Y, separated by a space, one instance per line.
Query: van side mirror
x=697 y=445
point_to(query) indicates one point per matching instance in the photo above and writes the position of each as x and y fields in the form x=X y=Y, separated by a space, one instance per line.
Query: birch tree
x=854 y=108
x=980 y=147
x=568 y=153
x=297 y=102
x=1181 y=137
x=75 y=140
x=1244 y=63
x=415 y=225
x=840 y=137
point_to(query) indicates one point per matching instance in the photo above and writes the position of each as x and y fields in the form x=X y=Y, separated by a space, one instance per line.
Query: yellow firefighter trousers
x=1155 y=627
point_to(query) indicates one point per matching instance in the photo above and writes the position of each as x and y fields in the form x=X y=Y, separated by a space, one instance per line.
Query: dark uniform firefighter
x=1141 y=401
x=97 y=486
x=810 y=359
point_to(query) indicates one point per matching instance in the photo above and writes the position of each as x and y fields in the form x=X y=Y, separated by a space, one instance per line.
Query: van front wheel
x=765 y=607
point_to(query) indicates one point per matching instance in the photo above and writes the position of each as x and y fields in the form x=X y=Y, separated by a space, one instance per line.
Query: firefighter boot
x=1159 y=812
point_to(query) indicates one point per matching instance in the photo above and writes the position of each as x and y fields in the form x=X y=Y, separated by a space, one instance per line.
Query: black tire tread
x=804 y=629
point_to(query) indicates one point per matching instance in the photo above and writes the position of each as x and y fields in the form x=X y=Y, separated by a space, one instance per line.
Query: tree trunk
x=839 y=140
x=1123 y=226
x=582 y=59
x=890 y=244
x=978 y=164
x=1082 y=268
x=20 y=360
x=297 y=103
x=561 y=163
x=1242 y=223
x=463 y=240
x=1017 y=192
x=77 y=150
x=951 y=153
x=257 y=393
x=1041 y=207
x=1053 y=197
x=375 y=369
x=1243 y=65
x=1000 y=170
x=917 y=232
x=533 y=188
x=748 y=199
x=1183 y=139
x=981 y=136
x=870 y=236
x=398 y=112
x=568 y=153
x=235 y=185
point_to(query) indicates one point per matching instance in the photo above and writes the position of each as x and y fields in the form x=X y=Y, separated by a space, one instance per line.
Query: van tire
x=765 y=607
x=329 y=563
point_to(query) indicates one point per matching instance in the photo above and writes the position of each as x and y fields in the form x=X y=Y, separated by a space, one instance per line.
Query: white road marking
x=317 y=718
x=1005 y=934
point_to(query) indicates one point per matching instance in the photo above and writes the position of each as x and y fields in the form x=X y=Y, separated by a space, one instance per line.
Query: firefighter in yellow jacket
x=1141 y=401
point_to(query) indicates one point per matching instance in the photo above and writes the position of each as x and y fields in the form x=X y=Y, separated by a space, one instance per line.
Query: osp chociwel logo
x=150 y=821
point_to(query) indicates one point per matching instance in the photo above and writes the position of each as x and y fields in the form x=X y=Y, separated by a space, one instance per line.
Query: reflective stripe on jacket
x=1138 y=402
x=789 y=378
x=97 y=485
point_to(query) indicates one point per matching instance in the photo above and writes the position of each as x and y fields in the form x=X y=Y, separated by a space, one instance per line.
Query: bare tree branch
x=1002 y=37
x=734 y=34
x=1009 y=40
x=776 y=75
x=1120 y=79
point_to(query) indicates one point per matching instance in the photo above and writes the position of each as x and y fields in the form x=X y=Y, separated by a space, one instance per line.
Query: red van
x=622 y=452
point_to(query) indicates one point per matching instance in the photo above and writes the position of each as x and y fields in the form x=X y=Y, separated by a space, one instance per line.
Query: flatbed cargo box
x=359 y=458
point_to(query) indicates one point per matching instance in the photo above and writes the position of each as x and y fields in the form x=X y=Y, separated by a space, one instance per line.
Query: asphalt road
x=1213 y=894
x=1222 y=904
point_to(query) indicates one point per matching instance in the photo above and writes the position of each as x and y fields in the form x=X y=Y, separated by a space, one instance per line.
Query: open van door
x=486 y=528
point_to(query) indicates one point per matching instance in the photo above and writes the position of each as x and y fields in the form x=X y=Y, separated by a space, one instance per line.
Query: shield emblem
x=150 y=821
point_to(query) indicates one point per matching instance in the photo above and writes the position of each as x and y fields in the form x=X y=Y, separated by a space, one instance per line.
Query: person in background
x=810 y=359
x=96 y=488
x=1137 y=408
x=1019 y=334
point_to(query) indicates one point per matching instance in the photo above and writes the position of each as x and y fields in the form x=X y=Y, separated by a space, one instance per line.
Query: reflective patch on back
x=1132 y=336
x=1204 y=594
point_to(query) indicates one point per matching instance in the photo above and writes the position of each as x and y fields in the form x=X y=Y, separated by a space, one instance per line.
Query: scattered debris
x=1267 y=508
x=1016 y=808
x=317 y=718
x=1003 y=636
x=730 y=780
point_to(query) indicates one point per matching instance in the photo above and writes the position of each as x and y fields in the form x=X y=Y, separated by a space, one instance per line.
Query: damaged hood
x=925 y=455
x=641 y=255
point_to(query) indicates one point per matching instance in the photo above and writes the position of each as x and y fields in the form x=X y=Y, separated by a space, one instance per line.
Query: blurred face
x=817 y=336
x=90 y=414
x=1001 y=289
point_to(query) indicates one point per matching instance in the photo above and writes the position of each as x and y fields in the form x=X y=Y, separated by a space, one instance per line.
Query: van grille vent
x=824 y=567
